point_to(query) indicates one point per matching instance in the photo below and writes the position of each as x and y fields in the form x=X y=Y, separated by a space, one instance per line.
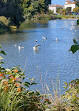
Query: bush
x=4 y=20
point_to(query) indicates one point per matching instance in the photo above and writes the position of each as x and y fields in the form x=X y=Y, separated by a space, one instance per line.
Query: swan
x=19 y=47
x=44 y=38
x=35 y=48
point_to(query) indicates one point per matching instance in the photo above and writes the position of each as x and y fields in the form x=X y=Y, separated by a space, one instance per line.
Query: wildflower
x=17 y=84
x=1 y=74
x=47 y=100
x=15 y=71
x=19 y=89
x=5 y=82
x=13 y=79
x=8 y=70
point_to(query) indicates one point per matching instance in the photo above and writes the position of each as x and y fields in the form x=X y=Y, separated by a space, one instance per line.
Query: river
x=52 y=60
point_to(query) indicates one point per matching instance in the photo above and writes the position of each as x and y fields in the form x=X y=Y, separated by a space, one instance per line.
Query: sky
x=58 y=2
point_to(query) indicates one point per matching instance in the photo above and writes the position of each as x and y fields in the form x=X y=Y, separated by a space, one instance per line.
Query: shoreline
x=69 y=18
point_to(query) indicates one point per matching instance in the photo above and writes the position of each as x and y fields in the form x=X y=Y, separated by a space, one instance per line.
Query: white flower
x=8 y=70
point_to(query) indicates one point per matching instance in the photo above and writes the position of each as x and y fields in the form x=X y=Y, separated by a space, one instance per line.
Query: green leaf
x=74 y=48
x=33 y=83
x=1 y=68
x=27 y=84
x=1 y=62
x=2 y=52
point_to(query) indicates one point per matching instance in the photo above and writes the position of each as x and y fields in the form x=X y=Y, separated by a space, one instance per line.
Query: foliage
x=33 y=7
x=17 y=10
x=74 y=47
x=63 y=11
x=4 y=20
x=12 y=9
x=71 y=96
x=78 y=22
x=59 y=10
x=76 y=10
x=53 y=101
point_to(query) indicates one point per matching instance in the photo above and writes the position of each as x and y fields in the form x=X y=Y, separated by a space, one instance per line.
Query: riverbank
x=52 y=17
x=5 y=25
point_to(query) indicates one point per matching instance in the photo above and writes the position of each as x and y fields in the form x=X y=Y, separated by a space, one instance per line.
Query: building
x=54 y=8
x=70 y=4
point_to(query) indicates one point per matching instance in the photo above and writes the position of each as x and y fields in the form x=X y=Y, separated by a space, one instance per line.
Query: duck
x=35 y=40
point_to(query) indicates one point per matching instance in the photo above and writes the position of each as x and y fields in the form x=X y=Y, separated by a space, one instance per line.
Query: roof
x=70 y=2
x=67 y=1
x=56 y=6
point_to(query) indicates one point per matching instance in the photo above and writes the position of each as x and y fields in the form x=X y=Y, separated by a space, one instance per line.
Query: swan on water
x=35 y=48
x=19 y=47
x=44 y=38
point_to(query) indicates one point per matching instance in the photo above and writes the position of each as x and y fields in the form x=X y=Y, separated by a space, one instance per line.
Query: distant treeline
x=17 y=10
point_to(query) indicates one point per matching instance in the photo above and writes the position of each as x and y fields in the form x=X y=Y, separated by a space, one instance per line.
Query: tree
x=16 y=10
x=63 y=11
x=76 y=10
x=12 y=9
x=33 y=7
x=59 y=10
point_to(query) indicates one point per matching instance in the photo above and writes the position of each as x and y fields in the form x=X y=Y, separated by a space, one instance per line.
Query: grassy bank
x=5 y=24
x=40 y=17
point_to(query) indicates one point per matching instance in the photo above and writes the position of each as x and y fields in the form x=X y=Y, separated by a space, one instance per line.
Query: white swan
x=44 y=38
x=19 y=47
x=35 y=48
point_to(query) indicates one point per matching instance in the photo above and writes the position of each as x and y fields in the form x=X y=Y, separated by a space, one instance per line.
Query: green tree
x=63 y=11
x=32 y=7
x=59 y=10
x=12 y=9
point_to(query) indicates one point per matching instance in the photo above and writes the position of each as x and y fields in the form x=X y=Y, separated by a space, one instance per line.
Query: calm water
x=52 y=60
